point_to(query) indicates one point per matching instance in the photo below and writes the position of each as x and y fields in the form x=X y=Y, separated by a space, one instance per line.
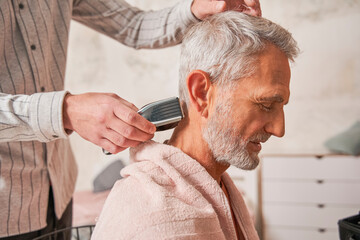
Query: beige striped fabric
x=34 y=149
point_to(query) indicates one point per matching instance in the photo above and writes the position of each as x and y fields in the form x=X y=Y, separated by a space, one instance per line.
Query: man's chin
x=250 y=162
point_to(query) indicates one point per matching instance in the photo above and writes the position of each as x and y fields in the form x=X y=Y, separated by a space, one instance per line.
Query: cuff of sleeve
x=186 y=15
x=46 y=115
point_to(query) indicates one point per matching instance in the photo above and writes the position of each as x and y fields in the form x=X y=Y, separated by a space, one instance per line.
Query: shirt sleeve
x=32 y=117
x=133 y=27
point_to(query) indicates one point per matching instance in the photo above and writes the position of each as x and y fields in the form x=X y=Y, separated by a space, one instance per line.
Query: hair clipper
x=164 y=114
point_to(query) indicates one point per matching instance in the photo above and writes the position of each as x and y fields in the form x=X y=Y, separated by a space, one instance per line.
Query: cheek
x=248 y=118
x=250 y=123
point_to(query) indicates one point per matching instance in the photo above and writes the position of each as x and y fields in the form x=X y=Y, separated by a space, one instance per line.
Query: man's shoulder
x=155 y=188
x=164 y=193
x=144 y=204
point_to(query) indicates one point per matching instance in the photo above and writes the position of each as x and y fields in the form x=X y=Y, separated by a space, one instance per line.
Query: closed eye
x=265 y=106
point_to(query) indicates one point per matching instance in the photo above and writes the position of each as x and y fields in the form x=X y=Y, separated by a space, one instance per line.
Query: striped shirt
x=34 y=148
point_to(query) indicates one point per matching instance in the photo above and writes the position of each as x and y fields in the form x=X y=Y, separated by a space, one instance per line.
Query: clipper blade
x=164 y=114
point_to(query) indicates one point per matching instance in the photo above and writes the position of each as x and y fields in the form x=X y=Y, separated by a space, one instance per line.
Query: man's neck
x=188 y=138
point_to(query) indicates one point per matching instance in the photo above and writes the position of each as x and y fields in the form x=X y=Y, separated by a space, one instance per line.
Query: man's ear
x=199 y=89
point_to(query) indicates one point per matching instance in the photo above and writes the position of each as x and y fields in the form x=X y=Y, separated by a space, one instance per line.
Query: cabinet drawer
x=328 y=167
x=311 y=192
x=274 y=233
x=324 y=217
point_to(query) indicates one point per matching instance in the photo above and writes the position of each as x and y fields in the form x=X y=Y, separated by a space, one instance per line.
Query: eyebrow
x=275 y=98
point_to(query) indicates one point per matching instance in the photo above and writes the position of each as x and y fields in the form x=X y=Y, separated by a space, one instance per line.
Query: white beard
x=228 y=146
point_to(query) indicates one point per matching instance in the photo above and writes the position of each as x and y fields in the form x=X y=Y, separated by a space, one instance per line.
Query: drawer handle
x=320 y=181
x=319 y=157
x=320 y=205
x=322 y=230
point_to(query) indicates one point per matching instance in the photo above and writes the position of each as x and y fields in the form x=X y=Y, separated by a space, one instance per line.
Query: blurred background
x=325 y=83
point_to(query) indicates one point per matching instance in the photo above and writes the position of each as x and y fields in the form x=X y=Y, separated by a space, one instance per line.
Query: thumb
x=204 y=8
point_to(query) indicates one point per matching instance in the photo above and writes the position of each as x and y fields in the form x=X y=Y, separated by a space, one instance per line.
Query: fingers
x=117 y=141
x=217 y=7
x=250 y=3
x=132 y=118
x=253 y=12
x=129 y=105
x=252 y=7
x=106 y=120
x=204 y=8
x=126 y=128
x=110 y=147
x=126 y=131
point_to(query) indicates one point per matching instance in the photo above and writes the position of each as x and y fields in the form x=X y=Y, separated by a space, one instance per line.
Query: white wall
x=325 y=85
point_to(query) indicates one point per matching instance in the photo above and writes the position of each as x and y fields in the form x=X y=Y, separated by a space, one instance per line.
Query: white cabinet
x=303 y=197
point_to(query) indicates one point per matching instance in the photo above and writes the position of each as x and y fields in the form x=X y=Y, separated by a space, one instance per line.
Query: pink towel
x=165 y=194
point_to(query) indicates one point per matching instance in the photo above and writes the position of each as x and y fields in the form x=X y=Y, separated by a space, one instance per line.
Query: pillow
x=347 y=142
x=106 y=178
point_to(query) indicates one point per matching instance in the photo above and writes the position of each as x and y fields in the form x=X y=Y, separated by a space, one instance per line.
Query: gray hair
x=225 y=46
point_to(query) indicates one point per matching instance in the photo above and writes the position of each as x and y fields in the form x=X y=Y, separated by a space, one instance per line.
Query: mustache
x=260 y=137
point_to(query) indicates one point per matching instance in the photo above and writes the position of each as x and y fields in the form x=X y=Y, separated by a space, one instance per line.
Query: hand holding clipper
x=164 y=114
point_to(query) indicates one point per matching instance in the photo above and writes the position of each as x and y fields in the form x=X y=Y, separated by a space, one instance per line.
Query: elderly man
x=234 y=83
x=37 y=167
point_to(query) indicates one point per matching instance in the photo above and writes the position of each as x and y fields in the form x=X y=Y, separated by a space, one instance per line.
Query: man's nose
x=276 y=126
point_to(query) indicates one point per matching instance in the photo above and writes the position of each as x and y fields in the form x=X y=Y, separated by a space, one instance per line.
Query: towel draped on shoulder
x=165 y=194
